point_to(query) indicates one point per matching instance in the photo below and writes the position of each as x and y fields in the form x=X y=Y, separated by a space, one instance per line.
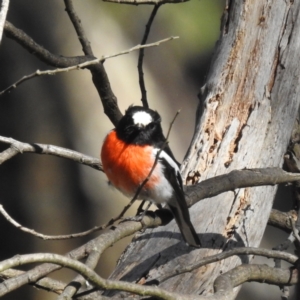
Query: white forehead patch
x=142 y=117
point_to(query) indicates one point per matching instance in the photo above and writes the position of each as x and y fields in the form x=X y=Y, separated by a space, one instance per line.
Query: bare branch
x=194 y=193
x=3 y=13
x=86 y=46
x=47 y=284
x=225 y=283
x=81 y=65
x=85 y=271
x=43 y=54
x=281 y=220
x=141 y=57
x=79 y=281
x=8 y=154
x=237 y=179
x=99 y=76
x=236 y=251
x=52 y=237
x=19 y=147
x=66 y=236
x=100 y=243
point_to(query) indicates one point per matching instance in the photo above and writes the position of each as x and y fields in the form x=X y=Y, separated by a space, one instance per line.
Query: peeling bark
x=244 y=120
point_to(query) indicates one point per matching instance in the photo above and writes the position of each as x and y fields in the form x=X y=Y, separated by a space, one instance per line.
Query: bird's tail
x=182 y=217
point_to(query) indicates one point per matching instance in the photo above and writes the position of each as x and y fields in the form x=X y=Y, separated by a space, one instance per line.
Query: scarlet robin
x=128 y=155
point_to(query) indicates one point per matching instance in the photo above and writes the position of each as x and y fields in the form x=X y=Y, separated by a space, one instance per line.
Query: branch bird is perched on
x=128 y=155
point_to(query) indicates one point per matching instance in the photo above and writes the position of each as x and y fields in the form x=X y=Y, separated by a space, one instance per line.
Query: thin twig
x=236 y=251
x=46 y=283
x=66 y=236
x=100 y=243
x=54 y=60
x=82 y=65
x=17 y=147
x=141 y=57
x=88 y=273
x=99 y=75
x=86 y=45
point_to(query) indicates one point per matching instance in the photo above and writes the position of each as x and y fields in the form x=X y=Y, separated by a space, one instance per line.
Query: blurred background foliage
x=56 y=196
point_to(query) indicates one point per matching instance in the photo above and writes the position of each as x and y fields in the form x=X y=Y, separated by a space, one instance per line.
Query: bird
x=128 y=155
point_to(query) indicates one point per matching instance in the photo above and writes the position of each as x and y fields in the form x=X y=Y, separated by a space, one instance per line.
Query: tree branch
x=223 y=285
x=40 y=52
x=237 y=179
x=17 y=147
x=85 y=271
x=100 y=243
x=236 y=251
x=141 y=57
x=86 y=45
x=281 y=220
x=79 y=281
x=100 y=79
x=47 y=284
x=82 y=65
x=194 y=193
x=263 y=274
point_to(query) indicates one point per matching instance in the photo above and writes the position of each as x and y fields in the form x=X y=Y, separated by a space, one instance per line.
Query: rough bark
x=245 y=117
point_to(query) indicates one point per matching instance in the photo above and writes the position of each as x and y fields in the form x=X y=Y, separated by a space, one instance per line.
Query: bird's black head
x=140 y=126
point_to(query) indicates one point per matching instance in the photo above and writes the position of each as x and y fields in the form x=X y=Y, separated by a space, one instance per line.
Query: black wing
x=178 y=205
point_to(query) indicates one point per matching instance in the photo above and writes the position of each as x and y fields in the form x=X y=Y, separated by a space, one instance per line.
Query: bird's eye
x=151 y=125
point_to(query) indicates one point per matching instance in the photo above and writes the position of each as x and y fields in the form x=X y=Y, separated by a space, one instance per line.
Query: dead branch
x=141 y=57
x=99 y=76
x=72 y=288
x=86 y=45
x=85 y=271
x=47 y=284
x=194 y=193
x=237 y=179
x=281 y=220
x=226 y=254
x=81 y=65
x=39 y=51
x=259 y=273
x=100 y=243
x=17 y=147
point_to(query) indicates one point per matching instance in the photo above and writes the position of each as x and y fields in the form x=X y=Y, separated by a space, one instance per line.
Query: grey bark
x=244 y=120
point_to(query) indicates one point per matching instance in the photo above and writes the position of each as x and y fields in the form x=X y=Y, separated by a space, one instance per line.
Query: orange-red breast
x=128 y=155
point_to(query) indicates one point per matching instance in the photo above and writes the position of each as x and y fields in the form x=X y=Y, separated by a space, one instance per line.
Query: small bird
x=128 y=154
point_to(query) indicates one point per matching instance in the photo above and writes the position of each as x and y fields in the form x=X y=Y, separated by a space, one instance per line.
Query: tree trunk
x=244 y=120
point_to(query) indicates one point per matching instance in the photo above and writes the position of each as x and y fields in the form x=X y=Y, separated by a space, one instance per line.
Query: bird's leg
x=140 y=214
x=140 y=208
